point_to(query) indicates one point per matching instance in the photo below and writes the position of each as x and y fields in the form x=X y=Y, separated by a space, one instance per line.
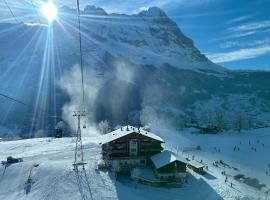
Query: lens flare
x=49 y=10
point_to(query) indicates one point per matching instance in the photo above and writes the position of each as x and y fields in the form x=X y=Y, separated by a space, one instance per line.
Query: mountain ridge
x=147 y=61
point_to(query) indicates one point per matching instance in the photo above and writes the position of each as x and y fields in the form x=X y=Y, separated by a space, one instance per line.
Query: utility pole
x=79 y=160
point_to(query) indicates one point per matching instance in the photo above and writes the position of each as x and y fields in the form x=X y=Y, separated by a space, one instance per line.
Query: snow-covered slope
x=54 y=178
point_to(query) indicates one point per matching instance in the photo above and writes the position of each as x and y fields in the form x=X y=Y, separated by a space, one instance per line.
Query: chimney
x=121 y=128
x=127 y=128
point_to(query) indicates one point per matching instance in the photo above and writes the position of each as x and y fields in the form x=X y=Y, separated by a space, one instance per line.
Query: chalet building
x=196 y=166
x=141 y=154
x=128 y=147
x=169 y=166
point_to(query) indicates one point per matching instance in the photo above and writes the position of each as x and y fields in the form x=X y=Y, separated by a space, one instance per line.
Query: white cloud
x=230 y=44
x=251 y=26
x=244 y=30
x=239 y=19
x=240 y=54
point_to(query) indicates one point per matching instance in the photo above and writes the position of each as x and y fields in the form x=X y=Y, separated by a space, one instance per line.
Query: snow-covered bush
x=104 y=127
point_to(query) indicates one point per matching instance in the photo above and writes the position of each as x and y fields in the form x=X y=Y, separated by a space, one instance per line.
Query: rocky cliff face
x=138 y=68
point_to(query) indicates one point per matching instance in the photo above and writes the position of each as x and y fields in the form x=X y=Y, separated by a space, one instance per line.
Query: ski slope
x=55 y=179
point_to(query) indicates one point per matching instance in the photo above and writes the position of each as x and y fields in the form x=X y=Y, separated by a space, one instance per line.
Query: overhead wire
x=20 y=102
x=13 y=99
x=12 y=13
x=80 y=179
x=81 y=53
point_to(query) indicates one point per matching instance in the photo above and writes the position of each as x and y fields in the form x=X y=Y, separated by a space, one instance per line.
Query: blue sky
x=232 y=33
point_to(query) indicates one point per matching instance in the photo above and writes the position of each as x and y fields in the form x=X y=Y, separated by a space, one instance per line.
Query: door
x=133 y=147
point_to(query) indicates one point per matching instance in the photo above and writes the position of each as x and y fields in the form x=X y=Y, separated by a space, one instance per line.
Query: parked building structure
x=128 y=146
x=169 y=166
x=196 y=166
x=141 y=153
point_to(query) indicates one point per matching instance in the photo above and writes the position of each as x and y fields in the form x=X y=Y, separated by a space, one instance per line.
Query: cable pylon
x=79 y=160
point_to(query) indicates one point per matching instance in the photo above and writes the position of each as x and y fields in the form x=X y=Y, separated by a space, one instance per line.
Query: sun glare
x=49 y=10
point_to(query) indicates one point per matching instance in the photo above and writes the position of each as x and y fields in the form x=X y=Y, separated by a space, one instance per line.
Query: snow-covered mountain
x=138 y=68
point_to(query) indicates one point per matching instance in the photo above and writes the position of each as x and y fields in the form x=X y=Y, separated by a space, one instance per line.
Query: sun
x=49 y=10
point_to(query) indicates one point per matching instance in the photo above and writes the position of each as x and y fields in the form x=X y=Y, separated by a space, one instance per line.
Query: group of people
x=215 y=163
x=216 y=149
x=236 y=148
x=253 y=148
x=267 y=172
x=226 y=181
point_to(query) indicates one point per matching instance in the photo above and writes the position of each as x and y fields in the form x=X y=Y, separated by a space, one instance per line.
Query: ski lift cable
x=81 y=54
x=20 y=102
x=11 y=98
x=12 y=13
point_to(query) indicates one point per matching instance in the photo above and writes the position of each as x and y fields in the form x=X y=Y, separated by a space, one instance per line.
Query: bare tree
x=207 y=118
x=220 y=120
x=241 y=121
x=104 y=127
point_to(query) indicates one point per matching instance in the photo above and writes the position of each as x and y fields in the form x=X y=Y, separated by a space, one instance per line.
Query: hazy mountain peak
x=153 y=12
x=93 y=10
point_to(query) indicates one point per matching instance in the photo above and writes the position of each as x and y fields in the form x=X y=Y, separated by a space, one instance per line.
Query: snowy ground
x=55 y=179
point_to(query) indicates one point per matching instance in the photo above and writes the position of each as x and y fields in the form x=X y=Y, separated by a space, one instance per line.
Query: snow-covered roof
x=166 y=157
x=126 y=131
x=195 y=164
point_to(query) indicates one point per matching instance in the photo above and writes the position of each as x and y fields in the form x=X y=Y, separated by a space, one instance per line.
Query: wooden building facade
x=129 y=146
x=169 y=166
x=196 y=166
